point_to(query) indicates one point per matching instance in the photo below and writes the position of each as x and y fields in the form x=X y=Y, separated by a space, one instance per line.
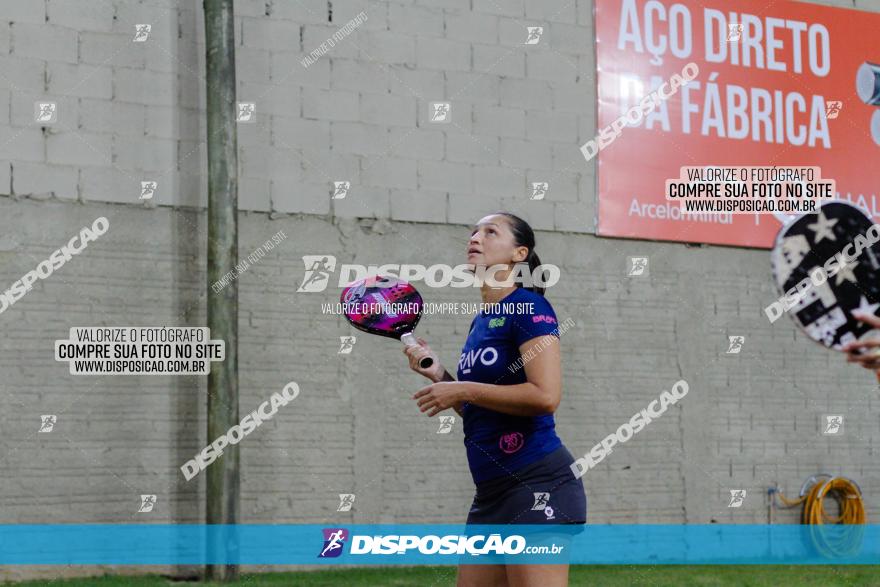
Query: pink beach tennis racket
x=384 y=306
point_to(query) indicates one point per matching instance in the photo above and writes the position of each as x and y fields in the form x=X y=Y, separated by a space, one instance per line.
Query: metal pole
x=222 y=494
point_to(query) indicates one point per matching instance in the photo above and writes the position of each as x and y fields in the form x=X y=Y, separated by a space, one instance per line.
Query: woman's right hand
x=417 y=353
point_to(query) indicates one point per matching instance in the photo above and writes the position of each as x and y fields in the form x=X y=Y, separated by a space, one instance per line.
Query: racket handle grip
x=409 y=339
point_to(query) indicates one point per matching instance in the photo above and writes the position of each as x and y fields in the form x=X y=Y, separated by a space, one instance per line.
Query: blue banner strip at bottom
x=437 y=544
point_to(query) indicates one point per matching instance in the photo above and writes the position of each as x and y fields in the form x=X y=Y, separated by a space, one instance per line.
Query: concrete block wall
x=135 y=111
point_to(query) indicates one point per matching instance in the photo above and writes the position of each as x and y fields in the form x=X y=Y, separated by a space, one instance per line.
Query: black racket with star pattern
x=803 y=246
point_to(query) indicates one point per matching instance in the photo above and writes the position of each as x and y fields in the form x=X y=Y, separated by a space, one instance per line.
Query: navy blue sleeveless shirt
x=498 y=444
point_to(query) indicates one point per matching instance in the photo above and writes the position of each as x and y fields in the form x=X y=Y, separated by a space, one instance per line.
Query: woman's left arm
x=539 y=395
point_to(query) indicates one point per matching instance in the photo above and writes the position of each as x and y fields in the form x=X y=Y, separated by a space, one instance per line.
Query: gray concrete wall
x=131 y=112
x=135 y=111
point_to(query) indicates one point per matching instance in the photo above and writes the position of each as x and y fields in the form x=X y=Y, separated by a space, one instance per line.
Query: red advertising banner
x=778 y=84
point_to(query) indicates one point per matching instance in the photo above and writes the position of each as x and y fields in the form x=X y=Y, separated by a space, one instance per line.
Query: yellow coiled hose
x=852 y=511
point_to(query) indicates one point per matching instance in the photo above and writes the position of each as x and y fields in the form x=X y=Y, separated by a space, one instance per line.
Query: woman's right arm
x=435 y=372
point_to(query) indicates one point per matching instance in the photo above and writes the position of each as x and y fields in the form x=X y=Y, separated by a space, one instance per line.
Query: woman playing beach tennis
x=509 y=385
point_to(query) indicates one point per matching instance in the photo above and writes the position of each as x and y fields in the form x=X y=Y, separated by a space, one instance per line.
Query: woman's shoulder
x=527 y=295
x=538 y=304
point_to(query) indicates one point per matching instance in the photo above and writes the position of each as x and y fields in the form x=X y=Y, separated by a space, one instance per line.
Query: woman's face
x=492 y=243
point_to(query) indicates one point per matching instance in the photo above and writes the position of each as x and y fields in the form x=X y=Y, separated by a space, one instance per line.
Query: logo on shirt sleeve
x=544 y=318
x=495 y=322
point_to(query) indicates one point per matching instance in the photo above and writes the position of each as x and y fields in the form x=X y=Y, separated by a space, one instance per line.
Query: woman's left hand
x=864 y=352
x=440 y=396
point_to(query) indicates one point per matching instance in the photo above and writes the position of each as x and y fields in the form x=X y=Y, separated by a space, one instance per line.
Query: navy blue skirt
x=544 y=492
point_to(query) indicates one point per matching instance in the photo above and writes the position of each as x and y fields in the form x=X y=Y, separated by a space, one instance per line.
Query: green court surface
x=606 y=576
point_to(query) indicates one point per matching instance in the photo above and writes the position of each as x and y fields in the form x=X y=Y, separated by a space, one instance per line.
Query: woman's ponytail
x=534 y=262
x=524 y=236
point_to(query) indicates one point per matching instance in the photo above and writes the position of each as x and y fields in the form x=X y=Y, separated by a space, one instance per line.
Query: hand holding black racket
x=385 y=306
x=825 y=311
x=865 y=352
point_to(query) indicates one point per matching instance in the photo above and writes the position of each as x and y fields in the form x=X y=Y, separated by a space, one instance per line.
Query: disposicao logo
x=334 y=540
